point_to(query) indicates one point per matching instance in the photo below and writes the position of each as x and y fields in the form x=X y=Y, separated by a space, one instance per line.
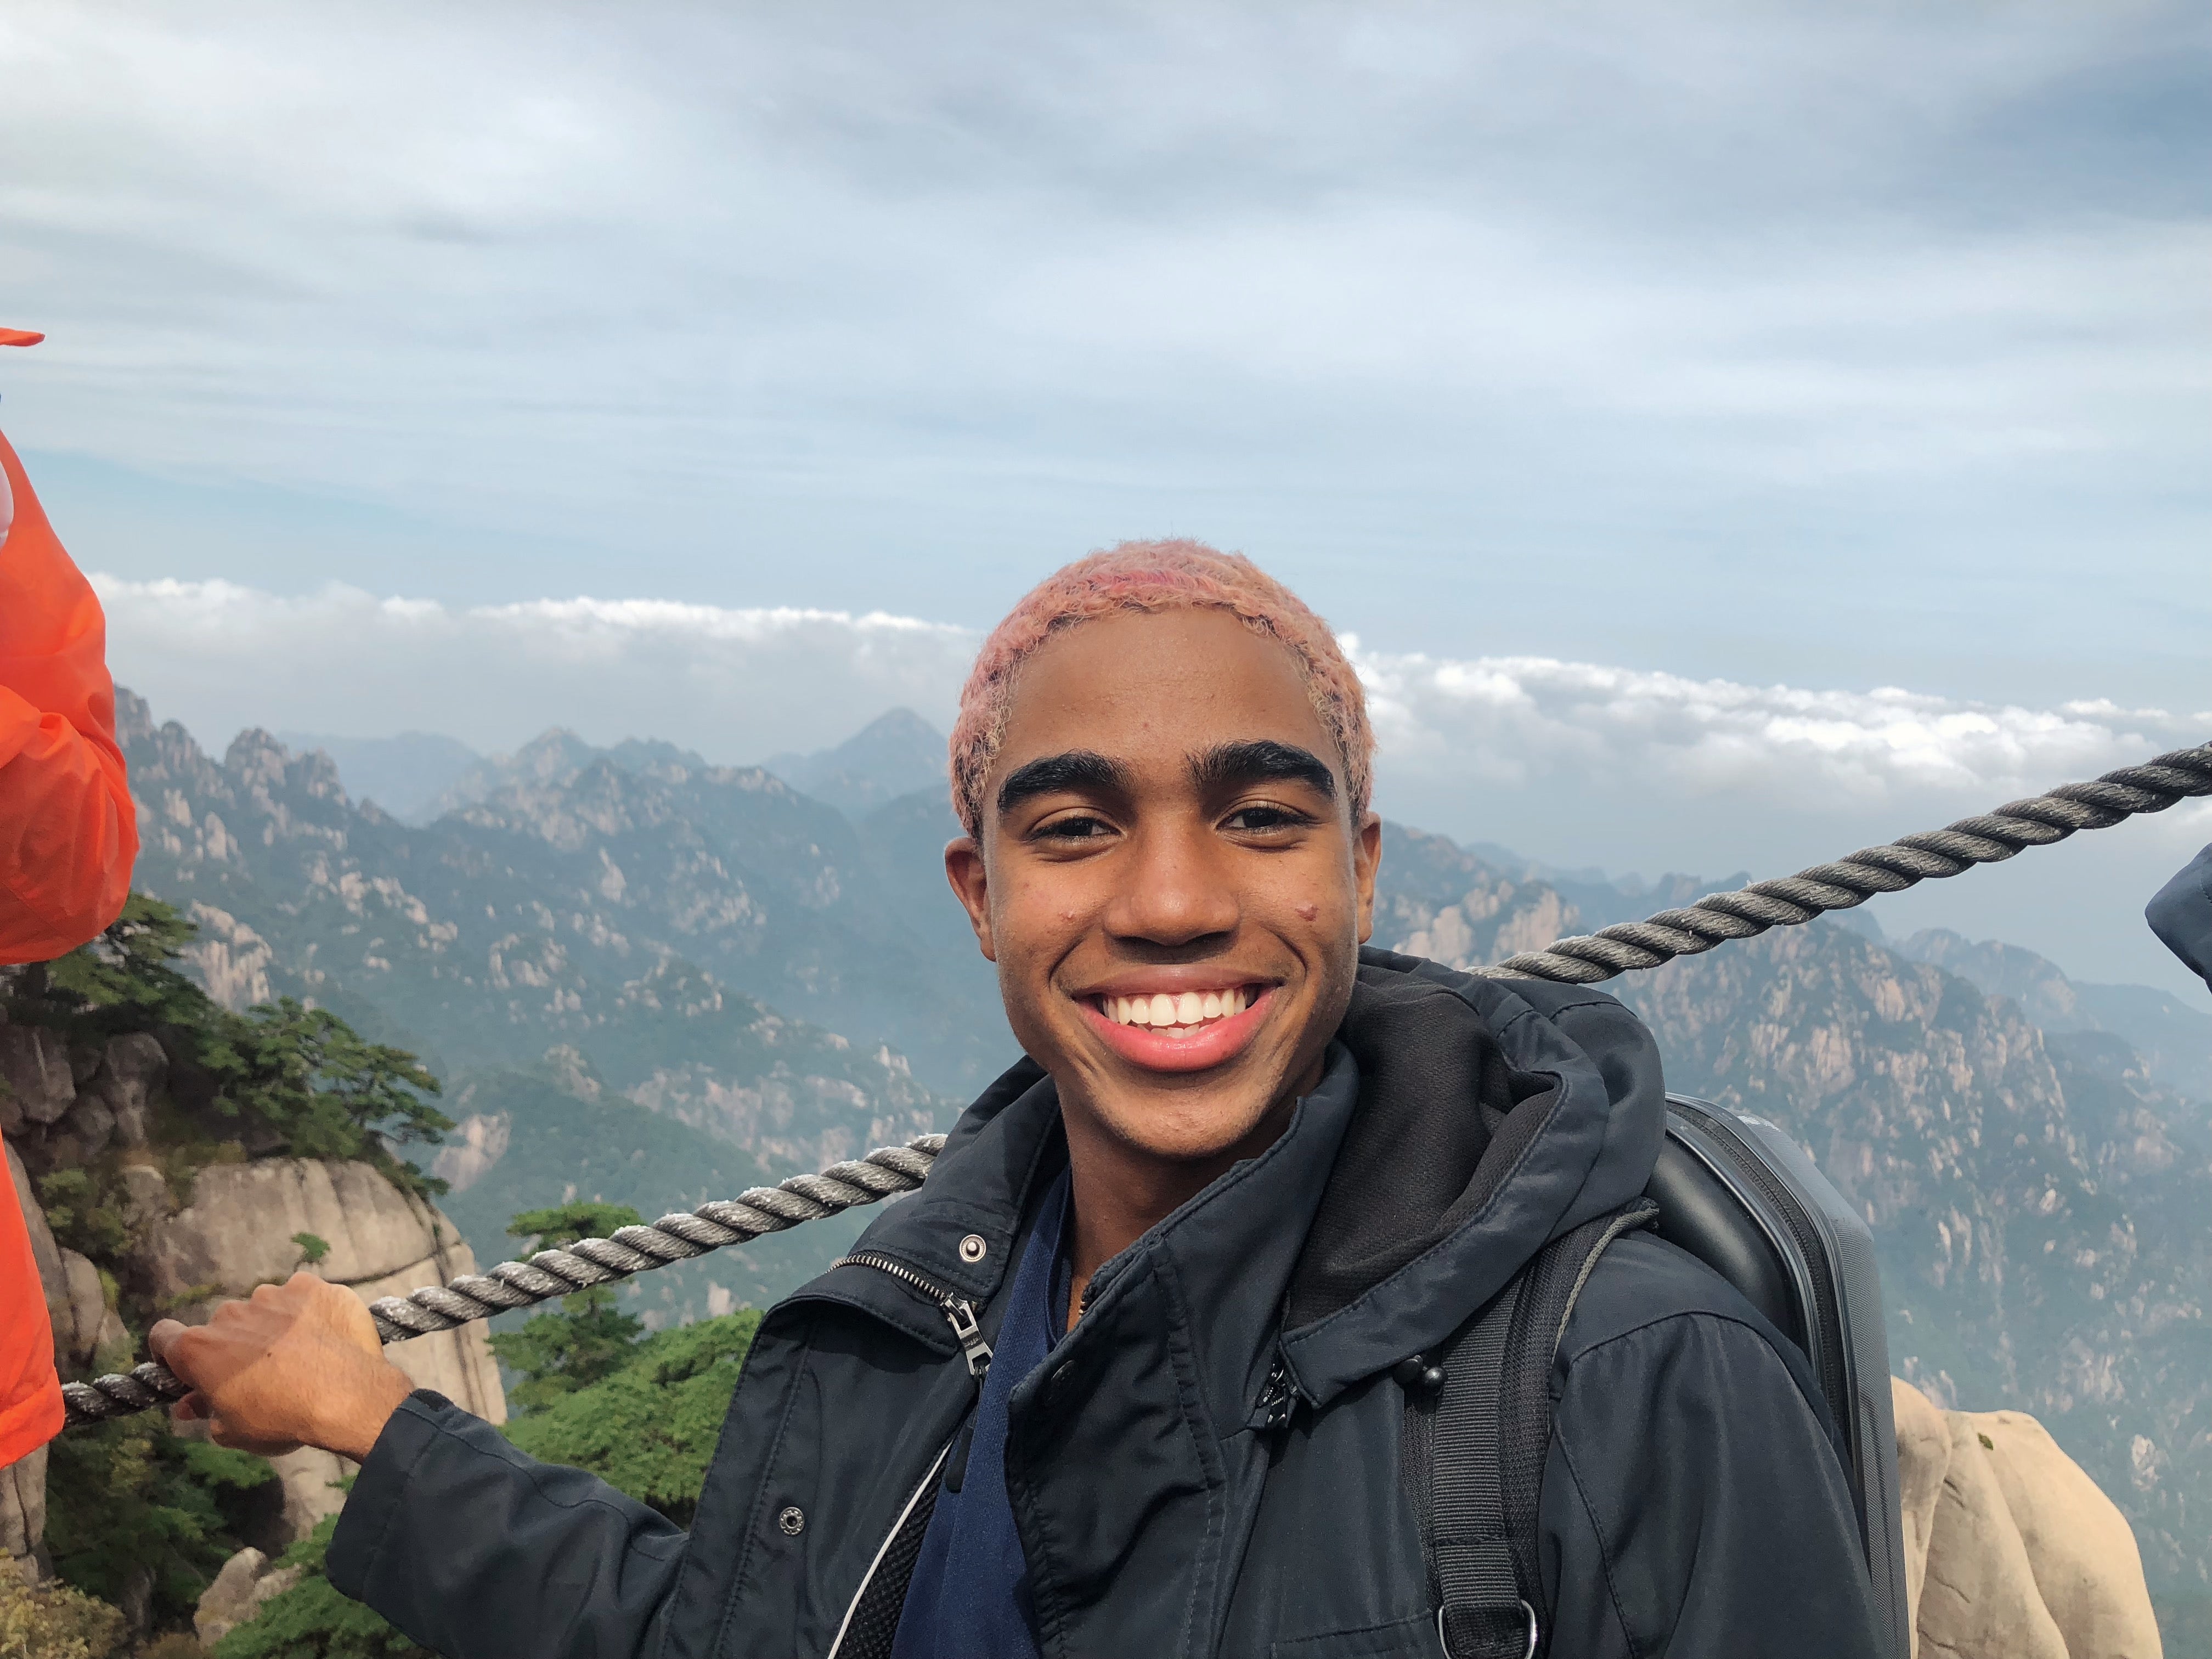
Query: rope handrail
x=1580 y=959
x=1932 y=855
x=882 y=1174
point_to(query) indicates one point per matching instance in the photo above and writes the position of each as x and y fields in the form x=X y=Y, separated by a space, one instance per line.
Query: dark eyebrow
x=1082 y=771
x=1227 y=765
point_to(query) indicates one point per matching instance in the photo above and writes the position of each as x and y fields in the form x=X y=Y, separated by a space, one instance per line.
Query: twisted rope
x=1933 y=854
x=883 y=1173
x=1582 y=959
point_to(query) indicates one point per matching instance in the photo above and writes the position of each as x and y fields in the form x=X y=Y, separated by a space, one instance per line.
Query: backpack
x=1740 y=1195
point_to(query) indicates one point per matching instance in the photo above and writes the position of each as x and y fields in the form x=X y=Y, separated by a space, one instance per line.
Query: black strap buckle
x=1528 y=1642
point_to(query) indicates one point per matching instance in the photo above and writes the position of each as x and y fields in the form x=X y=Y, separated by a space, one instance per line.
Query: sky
x=1731 y=433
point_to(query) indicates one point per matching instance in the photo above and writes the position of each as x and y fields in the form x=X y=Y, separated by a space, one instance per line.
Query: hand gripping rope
x=1582 y=959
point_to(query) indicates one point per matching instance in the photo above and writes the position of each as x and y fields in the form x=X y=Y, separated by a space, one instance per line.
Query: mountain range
x=646 y=977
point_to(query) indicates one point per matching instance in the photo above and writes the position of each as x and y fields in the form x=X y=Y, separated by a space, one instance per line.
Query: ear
x=1366 y=860
x=963 y=868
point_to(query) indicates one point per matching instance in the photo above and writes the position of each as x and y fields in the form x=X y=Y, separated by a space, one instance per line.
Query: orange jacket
x=30 y=1393
x=67 y=833
x=67 y=839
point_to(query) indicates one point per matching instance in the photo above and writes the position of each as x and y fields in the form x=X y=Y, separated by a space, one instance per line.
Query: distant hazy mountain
x=584 y=953
x=893 y=754
x=2174 y=1039
x=555 y=753
x=404 y=775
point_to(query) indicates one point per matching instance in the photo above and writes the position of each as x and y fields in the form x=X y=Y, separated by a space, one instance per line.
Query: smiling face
x=1170 y=883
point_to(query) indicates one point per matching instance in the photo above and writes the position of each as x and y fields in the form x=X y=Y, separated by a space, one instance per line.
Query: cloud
x=1702 y=304
x=1528 y=722
x=1574 y=763
x=733 y=683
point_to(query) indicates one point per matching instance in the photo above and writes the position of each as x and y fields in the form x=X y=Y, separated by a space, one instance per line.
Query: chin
x=1184 y=1130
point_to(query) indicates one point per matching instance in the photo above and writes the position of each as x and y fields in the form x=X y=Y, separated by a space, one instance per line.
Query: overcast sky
x=1737 y=363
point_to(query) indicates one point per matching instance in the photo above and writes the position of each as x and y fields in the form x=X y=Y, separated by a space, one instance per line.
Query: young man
x=1244 y=1172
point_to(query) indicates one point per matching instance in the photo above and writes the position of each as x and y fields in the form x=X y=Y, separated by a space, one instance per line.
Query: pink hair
x=1154 y=577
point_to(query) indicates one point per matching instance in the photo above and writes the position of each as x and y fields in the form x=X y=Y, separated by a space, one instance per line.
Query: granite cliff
x=160 y=1146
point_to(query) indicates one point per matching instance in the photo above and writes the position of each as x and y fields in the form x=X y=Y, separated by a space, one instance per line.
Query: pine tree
x=590 y=1338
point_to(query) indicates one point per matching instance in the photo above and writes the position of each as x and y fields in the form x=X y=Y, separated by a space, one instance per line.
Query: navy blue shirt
x=2181 y=915
x=970 y=1595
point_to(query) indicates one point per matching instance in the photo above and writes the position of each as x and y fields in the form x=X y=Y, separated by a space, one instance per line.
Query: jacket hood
x=1494 y=1115
x=1462 y=1124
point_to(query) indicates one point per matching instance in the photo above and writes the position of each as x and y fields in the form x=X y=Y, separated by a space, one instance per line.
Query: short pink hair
x=1154 y=577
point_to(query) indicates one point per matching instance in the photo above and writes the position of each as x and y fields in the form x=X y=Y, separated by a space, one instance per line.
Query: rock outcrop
x=241 y=1230
x=247 y=1579
x=2011 y=1550
x=66 y=1107
x=23 y=1516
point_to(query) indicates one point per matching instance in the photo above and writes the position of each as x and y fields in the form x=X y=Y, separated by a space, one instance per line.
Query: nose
x=1176 y=890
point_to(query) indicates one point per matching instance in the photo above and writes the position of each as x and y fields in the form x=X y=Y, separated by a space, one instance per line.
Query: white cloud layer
x=1569 y=762
x=1525 y=723
x=731 y=683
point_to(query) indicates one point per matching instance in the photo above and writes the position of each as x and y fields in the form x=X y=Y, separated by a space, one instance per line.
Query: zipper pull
x=1279 y=1399
x=961 y=1315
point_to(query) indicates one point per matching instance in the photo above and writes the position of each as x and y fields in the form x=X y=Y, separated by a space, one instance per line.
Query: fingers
x=164 y=1333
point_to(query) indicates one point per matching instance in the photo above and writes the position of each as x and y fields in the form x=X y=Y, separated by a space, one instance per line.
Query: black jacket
x=1694 y=1501
x=2181 y=915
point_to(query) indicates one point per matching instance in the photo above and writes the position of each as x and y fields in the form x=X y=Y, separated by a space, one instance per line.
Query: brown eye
x=1260 y=820
x=1073 y=828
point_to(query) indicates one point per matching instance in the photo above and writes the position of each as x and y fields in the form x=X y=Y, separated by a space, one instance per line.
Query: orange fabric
x=68 y=835
x=30 y=1393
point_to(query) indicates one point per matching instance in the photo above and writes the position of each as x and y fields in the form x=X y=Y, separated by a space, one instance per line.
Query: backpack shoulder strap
x=1477 y=1432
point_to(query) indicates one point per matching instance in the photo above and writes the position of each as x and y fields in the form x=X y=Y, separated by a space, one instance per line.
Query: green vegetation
x=55 y=1622
x=135 y=1508
x=590 y=1338
x=327 y=1092
x=312 y=1619
x=129 y=1498
x=131 y=1506
x=294 y=1079
x=79 y=1217
x=649 y=1427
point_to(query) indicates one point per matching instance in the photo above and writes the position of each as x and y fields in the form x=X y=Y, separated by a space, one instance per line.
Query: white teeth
x=1176 y=1015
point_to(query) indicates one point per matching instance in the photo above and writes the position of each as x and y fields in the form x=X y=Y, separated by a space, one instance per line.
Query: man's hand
x=297 y=1364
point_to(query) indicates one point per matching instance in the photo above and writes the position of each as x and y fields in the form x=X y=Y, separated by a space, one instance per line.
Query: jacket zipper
x=959 y=1312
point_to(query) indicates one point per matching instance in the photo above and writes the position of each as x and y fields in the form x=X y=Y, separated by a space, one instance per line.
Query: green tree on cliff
x=590 y=1338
